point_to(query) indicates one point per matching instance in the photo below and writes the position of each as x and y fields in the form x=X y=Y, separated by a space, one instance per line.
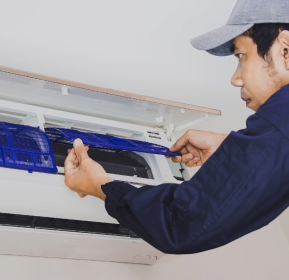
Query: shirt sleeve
x=239 y=189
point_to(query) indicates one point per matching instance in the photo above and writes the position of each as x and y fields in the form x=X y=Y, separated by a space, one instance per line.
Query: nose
x=236 y=79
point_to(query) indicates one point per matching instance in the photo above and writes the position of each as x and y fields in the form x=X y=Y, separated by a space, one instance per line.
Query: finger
x=193 y=151
x=191 y=154
x=184 y=150
x=76 y=162
x=188 y=153
x=72 y=151
x=177 y=159
x=80 y=150
x=180 y=142
x=193 y=163
x=69 y=162
x=68 y=151
x=189 y=157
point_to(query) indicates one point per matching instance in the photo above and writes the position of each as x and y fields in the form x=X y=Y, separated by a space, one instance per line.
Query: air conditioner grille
x=14 y=220
x=64 y=225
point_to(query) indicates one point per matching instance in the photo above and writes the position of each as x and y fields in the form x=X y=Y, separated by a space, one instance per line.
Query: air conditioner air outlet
x=123 y=163
x=47 y=223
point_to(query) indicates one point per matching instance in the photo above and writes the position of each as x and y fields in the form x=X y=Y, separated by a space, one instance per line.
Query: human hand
x=196 y=146
x=82 y=174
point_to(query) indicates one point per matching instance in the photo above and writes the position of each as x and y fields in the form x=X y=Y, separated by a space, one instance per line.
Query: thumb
x=80 y=150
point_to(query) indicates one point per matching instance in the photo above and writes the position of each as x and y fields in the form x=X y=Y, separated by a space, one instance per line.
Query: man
x=243 y=183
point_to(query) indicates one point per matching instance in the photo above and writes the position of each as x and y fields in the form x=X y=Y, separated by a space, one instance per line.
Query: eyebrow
x=233 y=47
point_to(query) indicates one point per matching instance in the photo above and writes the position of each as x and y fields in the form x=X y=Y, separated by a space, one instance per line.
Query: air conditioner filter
x=96 y=140
x=25 y=147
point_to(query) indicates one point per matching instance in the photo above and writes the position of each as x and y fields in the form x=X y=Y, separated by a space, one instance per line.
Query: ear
x=283 y=40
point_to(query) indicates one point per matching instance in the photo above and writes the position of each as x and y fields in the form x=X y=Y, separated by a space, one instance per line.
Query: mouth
x=247 y=100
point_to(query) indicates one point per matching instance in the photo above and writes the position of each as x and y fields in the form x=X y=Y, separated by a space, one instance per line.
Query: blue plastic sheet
x=96 y=140
x=25 y=147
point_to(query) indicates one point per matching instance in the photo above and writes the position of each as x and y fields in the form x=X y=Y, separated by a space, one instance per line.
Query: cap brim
x=218 y=41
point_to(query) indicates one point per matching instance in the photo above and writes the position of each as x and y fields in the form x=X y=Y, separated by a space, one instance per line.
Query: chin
x=252 y=107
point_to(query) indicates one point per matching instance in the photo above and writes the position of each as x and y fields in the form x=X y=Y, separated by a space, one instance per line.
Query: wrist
x=223 y=137
x=101 y=194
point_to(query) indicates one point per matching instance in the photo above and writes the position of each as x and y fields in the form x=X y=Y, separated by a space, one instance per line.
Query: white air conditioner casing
x=36 y=100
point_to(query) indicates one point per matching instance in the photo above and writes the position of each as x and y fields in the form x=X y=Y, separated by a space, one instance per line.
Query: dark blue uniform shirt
x=242 y=187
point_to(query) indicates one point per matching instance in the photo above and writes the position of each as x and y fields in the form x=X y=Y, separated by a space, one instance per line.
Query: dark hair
x=264 y=36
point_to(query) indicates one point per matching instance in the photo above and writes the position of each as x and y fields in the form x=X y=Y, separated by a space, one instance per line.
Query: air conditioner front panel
x=41 y=194
x=79 y=246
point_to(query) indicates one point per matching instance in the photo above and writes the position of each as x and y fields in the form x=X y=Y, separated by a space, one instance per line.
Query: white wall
x=141 y=47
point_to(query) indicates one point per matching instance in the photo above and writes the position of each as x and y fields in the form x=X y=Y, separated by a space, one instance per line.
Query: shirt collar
x=276 y=110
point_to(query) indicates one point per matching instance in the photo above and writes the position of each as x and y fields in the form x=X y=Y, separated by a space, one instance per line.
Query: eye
x=239 y=55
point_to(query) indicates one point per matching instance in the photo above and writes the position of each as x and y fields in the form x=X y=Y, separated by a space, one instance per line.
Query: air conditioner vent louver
x=27 y=221
x=14 y=220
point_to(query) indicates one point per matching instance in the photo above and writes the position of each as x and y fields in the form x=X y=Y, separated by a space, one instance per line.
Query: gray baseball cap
x=243 y=16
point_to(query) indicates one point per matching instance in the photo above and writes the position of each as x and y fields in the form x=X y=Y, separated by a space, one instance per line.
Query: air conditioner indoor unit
x=39 y=215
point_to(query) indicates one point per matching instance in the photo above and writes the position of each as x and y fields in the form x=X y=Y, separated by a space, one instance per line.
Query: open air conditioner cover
x=47 y=92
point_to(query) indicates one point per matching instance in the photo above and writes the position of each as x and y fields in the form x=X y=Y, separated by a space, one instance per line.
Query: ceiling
x=141 y=47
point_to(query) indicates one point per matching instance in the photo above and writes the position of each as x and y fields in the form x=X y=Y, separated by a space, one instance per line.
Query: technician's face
x=256 y=77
